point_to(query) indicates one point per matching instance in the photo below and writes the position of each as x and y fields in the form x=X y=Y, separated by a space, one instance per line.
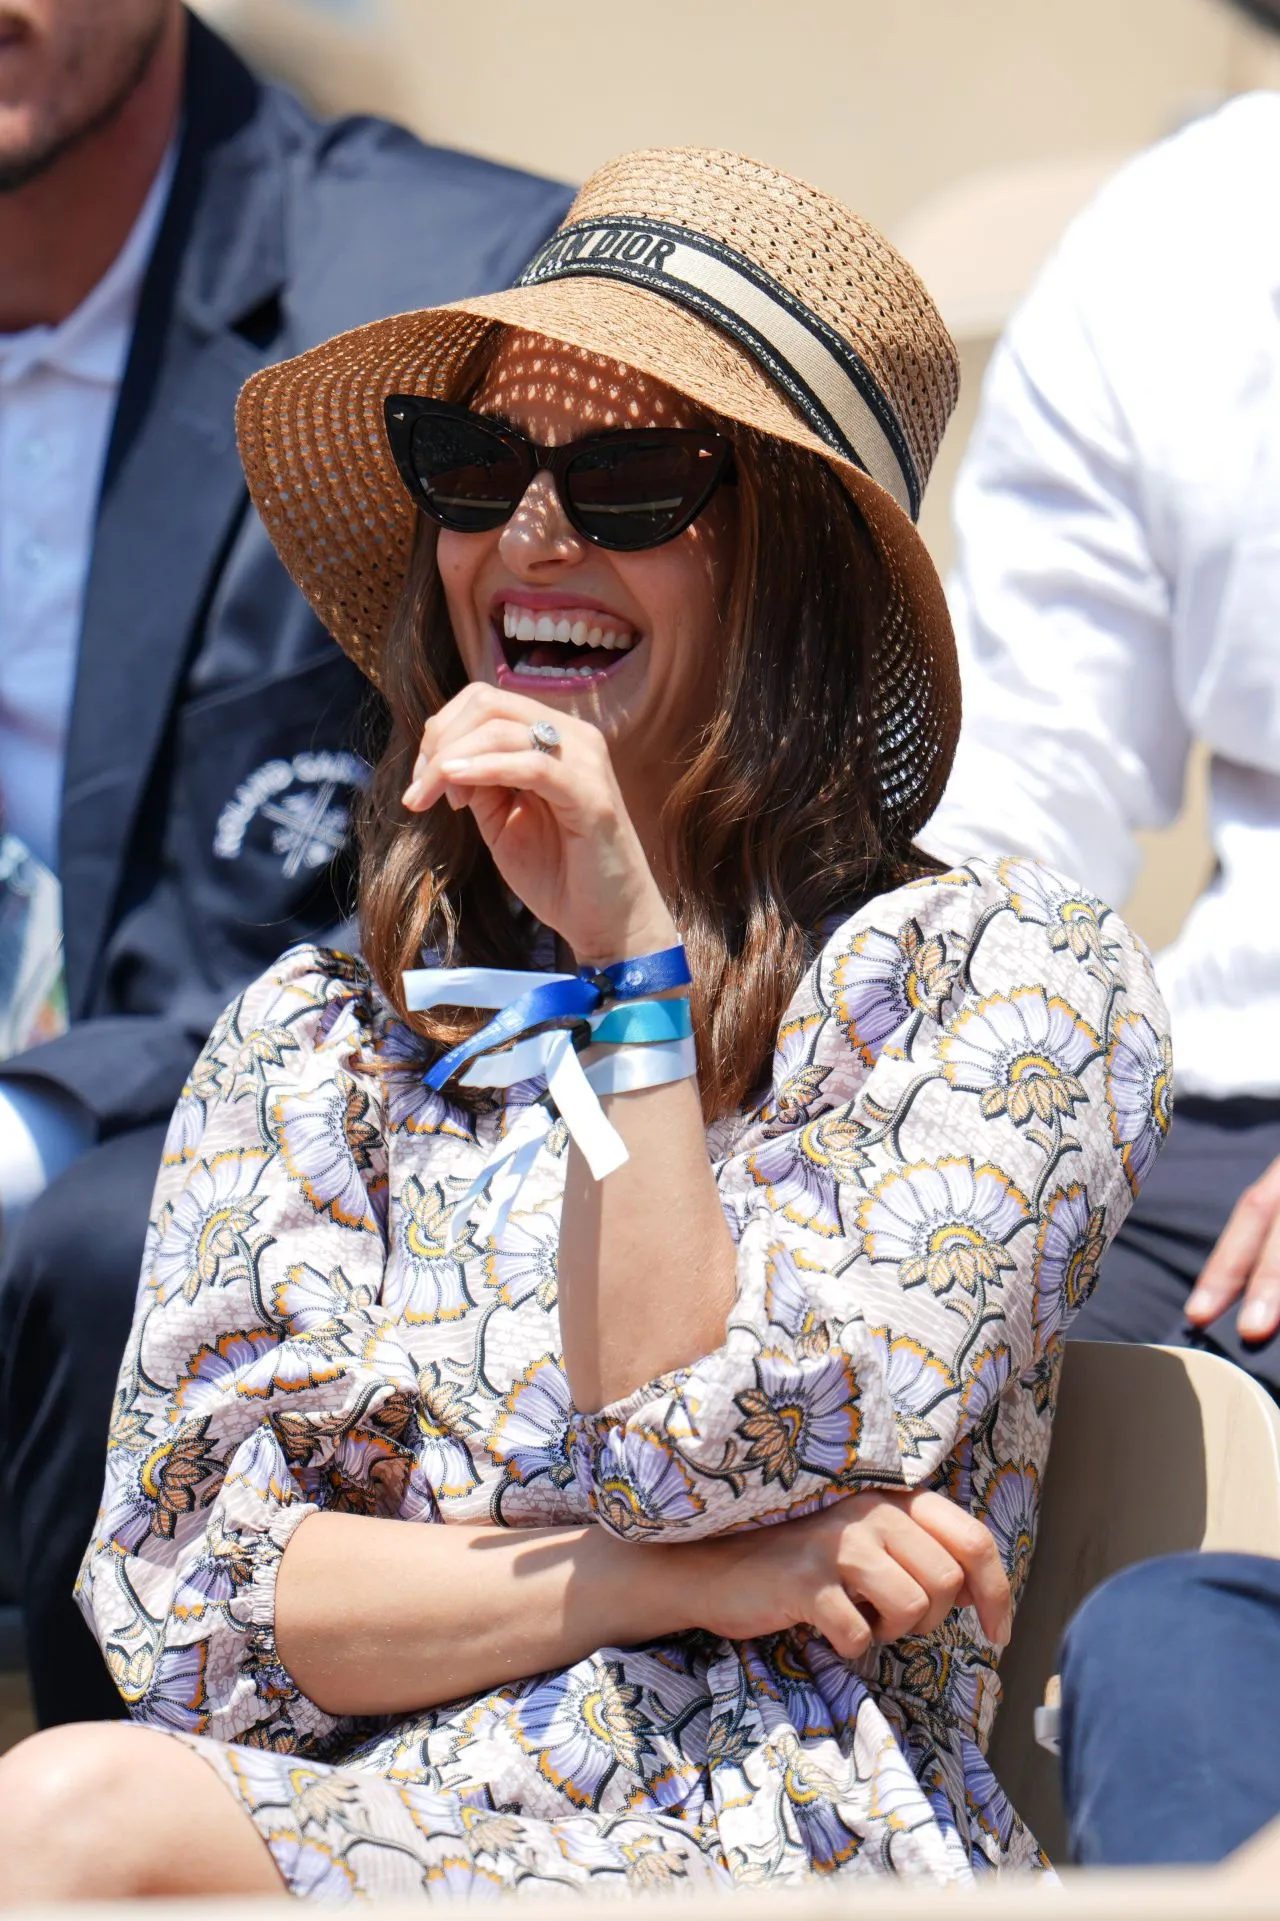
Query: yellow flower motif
x=797 y=1081
x=917 y=1382
x=426 y=1277
x=1041 y=898
x=946 y=1222
x=321 y=1797
x=1069 y=1249
x=652 y=1866
x=456 y=1877
x=1140 y=1092
x=329 y=1147
x=886 y=979
x=1022 y=1052
x=207 y=1236
x=173 y=1471
x=800 y=1418
x=491 y=1833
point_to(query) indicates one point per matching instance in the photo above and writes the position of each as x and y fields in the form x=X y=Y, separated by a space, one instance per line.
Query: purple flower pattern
x=319 y=1328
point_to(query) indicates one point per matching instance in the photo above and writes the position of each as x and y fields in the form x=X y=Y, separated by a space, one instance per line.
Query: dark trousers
x=67 y=1285
x=1214 y=1150
x=1171 y=1711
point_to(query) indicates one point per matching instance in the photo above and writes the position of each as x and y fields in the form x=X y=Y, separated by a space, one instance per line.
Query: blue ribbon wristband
x=629 y=980
x=563 y=1000
x=542 y=1022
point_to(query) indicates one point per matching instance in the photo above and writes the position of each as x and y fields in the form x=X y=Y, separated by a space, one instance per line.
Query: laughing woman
x=596 y=1353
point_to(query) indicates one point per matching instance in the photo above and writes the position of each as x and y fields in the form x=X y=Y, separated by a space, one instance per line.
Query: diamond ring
x=545 y=736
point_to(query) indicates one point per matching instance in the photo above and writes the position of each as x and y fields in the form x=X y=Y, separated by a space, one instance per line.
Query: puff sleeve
x=261 y=1379
x=968 y=1090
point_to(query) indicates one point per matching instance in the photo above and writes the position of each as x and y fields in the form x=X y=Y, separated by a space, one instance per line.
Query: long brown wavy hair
x=775 y=827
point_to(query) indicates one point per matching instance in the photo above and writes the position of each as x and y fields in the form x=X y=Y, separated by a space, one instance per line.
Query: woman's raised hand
x=868 y=1569
x=555 y=822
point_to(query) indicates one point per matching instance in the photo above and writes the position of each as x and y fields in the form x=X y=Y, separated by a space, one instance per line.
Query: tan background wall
x=969 y=129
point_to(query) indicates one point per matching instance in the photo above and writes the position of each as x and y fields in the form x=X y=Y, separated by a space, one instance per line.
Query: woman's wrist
x=678 y=1574
x=648 y=934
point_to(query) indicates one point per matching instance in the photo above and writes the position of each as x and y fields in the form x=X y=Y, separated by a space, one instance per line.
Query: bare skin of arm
x=383 y=1617
x=561 y=834
x=647 y=1266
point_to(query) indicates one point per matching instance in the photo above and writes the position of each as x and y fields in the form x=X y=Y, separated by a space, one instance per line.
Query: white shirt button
x=34 y=556
x=36 y=451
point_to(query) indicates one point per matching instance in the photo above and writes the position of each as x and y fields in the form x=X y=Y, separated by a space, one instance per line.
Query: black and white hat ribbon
x=820 y=373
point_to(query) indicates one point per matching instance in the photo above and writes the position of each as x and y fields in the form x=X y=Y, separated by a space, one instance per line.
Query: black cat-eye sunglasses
x=625 y=490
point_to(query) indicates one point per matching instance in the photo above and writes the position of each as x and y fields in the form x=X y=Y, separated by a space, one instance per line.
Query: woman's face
x=524 y=598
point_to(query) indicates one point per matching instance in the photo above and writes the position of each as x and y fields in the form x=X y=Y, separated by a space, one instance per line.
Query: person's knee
x=1163 y=1601
x=70 y=1801
x=1103 y=1630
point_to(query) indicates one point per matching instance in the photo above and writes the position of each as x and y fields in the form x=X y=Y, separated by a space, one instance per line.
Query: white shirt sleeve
x=42 y=1130
x=1072 y=734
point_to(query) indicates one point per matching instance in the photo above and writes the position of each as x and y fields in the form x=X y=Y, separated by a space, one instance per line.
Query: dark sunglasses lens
x=468 y=478
x=633 y=492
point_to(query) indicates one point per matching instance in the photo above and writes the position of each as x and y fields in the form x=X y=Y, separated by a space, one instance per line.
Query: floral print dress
x=970 y=1083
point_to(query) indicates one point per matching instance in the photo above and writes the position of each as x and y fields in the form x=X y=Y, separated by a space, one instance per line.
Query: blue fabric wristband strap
x=541 y=1022
x=549 y=1000
x=629 y=980
x=636 y=1023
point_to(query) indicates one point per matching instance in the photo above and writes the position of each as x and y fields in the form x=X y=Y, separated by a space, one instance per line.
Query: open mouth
x=564 y=645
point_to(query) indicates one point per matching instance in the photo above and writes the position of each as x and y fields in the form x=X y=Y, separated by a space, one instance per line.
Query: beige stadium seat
x=1156 y=1450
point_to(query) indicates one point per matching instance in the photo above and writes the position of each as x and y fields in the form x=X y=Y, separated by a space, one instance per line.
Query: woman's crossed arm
x=377 y=1617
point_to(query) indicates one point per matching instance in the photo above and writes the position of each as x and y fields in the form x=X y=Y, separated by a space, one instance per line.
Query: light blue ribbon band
x=636 y=1023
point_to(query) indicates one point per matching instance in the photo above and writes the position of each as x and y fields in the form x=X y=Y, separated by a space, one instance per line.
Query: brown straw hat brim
x=322 y=477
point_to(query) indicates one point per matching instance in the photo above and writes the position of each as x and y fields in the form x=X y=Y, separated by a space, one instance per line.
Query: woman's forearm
x=647 y=1270
x=383 y=1616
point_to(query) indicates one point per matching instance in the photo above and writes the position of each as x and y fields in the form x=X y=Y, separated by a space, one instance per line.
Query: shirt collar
x=92 y=343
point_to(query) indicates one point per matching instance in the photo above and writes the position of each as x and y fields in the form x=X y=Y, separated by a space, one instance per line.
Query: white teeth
x=559 y=673
x=519 y=623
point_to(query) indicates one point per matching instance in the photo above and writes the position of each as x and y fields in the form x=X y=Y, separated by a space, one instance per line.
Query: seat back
x=1156 y=1450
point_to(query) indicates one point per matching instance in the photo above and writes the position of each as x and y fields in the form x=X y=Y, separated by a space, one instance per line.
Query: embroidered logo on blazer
x=305 y=803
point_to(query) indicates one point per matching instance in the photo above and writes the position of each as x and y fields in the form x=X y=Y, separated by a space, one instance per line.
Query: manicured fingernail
x=412 y=794
x=1006 y=1630
x=1255 y=1320
x=455 y=766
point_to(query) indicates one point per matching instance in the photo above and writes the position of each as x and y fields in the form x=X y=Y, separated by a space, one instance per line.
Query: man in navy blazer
x=215 y=732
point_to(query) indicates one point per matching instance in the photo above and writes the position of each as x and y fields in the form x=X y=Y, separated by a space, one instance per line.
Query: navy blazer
x=216 y=726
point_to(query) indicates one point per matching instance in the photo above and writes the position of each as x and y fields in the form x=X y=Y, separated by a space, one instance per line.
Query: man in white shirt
x=1117 y=596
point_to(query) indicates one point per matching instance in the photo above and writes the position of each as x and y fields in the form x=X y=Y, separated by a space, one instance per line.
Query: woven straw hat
x=753 y=294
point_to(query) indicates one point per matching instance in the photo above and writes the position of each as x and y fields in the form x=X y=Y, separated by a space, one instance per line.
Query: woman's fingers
x=434 y=771
x=1245 y=1261
x=478 y=707
x=526 y=769
x=986 y=1585
x=937 y=1572
x=896 y=1599
x=840 y=1622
